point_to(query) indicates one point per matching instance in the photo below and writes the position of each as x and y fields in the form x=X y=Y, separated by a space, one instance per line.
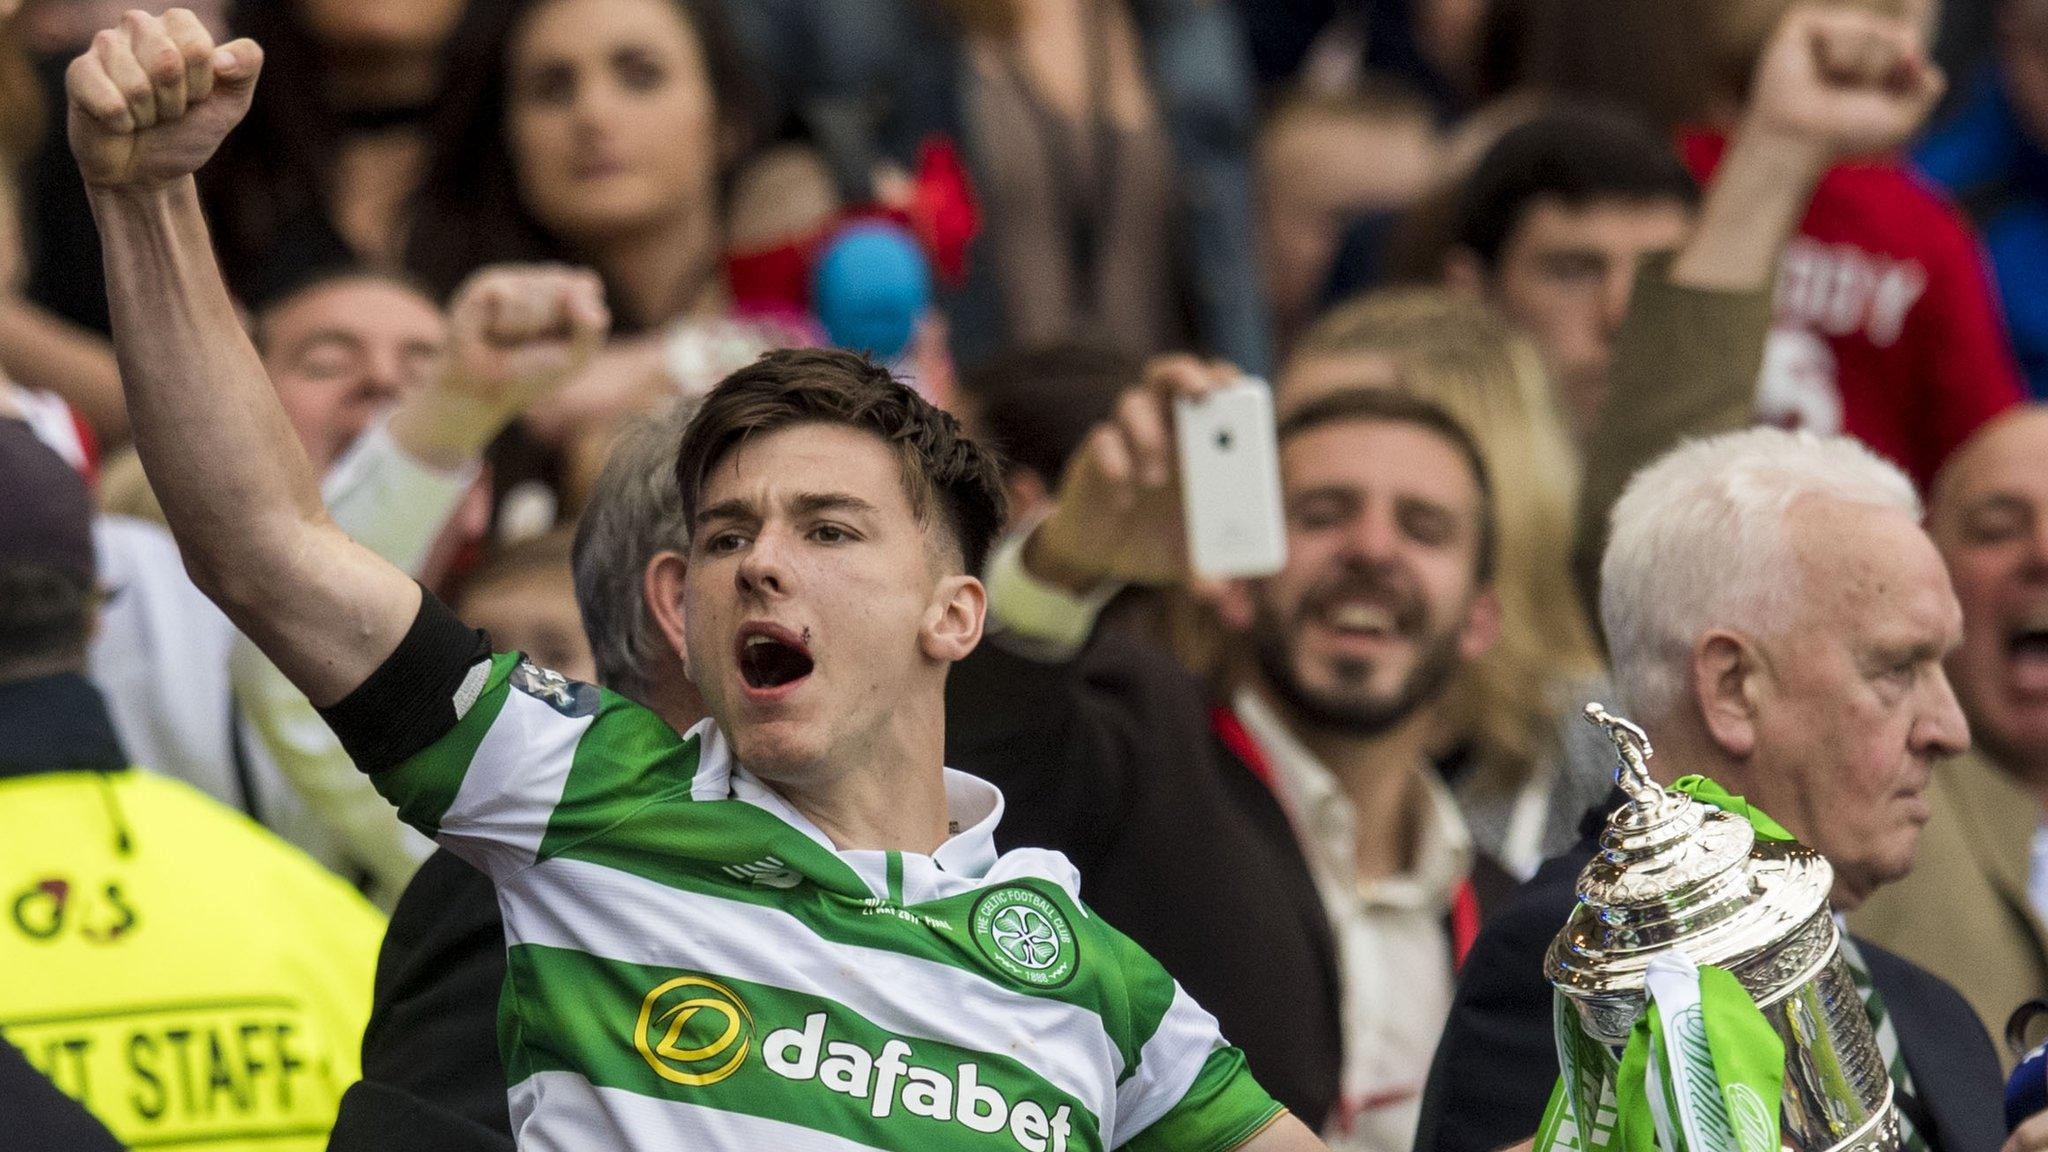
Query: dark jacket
x=1496 y=1063
x=432 y=1080
x=1113 y=759
x=36 y=1117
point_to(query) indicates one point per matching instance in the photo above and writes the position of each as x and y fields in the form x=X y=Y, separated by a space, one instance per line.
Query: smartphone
x=1230 y=481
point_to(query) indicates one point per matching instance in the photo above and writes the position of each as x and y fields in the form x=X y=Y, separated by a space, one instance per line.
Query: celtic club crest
x=1026 y=935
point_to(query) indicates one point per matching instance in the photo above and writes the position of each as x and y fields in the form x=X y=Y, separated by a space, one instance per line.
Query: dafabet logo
x=695 y=1031
x=705 y=1031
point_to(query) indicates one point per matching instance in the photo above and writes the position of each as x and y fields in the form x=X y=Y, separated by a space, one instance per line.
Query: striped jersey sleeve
x=534 y=759
x=1187 y=1090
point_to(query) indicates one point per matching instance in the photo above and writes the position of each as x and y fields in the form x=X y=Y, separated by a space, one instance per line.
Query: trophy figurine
x=1678 y=881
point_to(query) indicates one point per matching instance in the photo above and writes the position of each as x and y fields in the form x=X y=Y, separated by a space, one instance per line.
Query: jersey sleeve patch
x=572 y=699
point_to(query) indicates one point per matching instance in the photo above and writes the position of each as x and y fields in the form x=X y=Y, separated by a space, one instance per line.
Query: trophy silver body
x=1674 y=872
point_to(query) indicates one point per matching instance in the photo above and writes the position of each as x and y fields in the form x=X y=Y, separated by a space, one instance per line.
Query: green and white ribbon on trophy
x=1702 y=1070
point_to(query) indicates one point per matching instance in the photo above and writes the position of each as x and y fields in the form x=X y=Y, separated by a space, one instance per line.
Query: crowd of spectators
x=1616 y=349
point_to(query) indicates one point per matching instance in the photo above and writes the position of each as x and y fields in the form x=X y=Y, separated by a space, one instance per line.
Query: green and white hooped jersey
x=692 y=965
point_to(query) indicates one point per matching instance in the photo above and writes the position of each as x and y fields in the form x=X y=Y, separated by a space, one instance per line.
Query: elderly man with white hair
x=1777 y=620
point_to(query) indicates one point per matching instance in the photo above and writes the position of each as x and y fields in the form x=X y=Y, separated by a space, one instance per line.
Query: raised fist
x=1845 y=81
x=153 y=98
x=517 y=331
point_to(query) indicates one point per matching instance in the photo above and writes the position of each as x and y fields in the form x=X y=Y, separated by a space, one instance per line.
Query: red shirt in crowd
x=1886 y=325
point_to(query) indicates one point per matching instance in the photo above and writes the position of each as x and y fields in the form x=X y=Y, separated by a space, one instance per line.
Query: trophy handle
x=1632 y=745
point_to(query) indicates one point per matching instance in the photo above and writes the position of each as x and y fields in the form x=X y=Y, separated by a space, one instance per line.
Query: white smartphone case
x=1230 y=481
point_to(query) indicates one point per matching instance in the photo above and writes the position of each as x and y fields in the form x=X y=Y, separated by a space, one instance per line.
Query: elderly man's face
x=1852 y=707
x=1990 y=520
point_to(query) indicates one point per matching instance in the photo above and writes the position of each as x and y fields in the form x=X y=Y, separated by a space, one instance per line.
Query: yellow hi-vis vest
x=196 y=982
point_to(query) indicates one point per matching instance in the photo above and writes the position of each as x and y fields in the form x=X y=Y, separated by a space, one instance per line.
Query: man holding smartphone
x=1278 y=840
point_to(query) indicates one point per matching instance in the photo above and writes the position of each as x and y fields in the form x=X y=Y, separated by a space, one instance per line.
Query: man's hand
x=153 y=98
x=516 y=332
x=1118 y=516
x=1843 y=82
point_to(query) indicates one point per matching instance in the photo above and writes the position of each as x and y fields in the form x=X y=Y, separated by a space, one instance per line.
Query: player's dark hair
x=942 y=468
x=1386 y=406
x=1576 y=155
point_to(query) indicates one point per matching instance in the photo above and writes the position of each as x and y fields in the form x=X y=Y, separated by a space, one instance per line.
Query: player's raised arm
x=149 y=103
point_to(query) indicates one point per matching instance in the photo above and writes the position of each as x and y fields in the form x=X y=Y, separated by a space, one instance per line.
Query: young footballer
x=790 y=927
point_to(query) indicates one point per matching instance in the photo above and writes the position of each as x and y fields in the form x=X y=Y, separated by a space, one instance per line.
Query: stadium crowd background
x=1588 y=230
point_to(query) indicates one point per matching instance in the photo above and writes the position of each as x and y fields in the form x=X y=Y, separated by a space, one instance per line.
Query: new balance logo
x=768 y=871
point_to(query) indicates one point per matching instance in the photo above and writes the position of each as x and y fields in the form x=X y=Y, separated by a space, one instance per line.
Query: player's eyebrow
x=734 y=509
x=812 y=503
x=801 y=504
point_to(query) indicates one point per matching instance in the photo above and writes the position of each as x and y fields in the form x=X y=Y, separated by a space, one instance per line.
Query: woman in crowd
x=588 y=131
x=1526 y=766
x=601 y=133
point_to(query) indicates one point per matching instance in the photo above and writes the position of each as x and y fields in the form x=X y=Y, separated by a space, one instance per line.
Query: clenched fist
x=153 y=98
x=516 y=331
x=1844 y=81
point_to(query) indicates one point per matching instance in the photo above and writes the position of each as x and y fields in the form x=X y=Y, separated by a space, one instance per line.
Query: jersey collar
x=974 y=807
x=57 y=724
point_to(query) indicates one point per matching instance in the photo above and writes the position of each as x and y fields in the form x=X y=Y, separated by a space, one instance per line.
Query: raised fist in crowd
x=516 y=330
x=1843 y=81
x=153 y=98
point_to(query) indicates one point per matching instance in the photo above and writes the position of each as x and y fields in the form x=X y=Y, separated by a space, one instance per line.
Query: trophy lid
x=1673 y=871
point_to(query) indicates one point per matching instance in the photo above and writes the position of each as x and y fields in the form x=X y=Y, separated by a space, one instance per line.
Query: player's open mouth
x=772 y=657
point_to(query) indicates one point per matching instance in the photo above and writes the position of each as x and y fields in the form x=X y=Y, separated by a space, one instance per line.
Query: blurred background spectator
x=317 y=173
x=1551 y=229
x=599 y=132
x=1108 y=146
x=1886 y=325
x=525 y=598
x=1984 y=854
x=1509 y=738
x=1990 y=157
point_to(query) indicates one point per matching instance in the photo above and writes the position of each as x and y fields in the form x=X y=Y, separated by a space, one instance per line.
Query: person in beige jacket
x=1972 y=909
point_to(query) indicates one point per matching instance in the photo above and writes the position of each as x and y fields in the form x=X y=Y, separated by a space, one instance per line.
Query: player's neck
x=886 y=794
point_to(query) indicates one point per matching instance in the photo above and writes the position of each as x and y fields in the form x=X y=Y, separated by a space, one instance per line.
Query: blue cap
x=871 y=285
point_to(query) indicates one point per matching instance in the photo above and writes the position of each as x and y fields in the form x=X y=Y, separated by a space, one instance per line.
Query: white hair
x=1697 y=542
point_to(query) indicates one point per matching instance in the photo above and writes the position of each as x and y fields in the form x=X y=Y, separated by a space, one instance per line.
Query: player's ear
x=953 y=619
x=661 y=586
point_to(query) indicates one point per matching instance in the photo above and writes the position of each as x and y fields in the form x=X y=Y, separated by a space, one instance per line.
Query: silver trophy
x=1671 y=872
